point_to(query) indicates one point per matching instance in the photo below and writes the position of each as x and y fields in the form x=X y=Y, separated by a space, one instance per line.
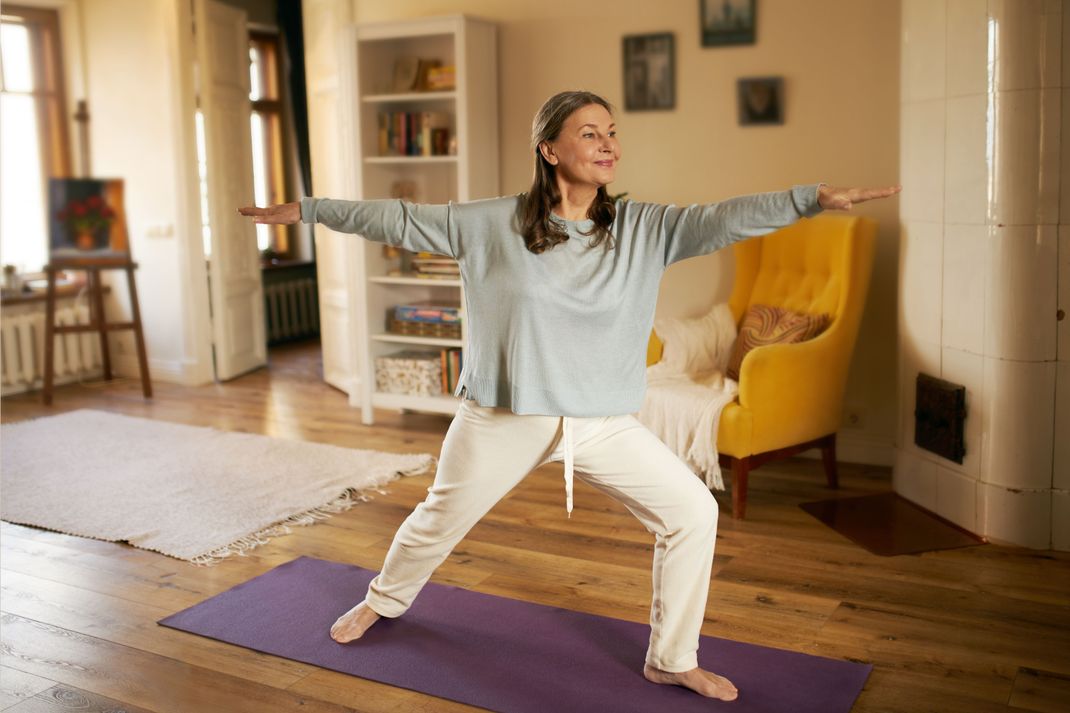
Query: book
x=414 y=133
x=429 y=122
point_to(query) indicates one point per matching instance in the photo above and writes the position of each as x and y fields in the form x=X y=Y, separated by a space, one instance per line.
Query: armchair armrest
x=805 y=380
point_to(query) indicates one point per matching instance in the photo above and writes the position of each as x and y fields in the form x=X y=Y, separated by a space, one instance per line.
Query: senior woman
x=560 y=287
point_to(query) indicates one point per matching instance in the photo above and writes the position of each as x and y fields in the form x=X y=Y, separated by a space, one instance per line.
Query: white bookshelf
x=470 y=45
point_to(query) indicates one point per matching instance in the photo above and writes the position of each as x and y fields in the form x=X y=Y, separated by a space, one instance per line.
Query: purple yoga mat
x=503 y=654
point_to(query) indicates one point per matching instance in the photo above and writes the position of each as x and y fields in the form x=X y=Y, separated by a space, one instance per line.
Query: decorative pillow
x=763 y=325
x=695 y=346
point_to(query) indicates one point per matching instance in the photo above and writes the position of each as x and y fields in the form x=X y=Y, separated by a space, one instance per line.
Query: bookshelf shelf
x=426 y=341
x=423 y=281
x=409 y=97
x=434 y=404
x=469 y=114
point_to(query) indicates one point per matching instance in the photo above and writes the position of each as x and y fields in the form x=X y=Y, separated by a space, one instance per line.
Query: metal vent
x=939 y=417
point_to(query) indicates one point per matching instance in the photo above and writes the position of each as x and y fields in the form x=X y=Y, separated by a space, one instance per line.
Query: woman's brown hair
x=539 y=230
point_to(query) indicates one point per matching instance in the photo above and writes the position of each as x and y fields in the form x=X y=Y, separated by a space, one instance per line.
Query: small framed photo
x=761 y=100
x=649 y=72
x=86 y=220
x=727 y=22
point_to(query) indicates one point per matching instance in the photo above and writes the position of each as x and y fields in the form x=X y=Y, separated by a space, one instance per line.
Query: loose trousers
x=489 y=450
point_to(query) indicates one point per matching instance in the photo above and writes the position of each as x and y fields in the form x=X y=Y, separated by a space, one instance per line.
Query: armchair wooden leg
x=740 y=468
x=828 y=454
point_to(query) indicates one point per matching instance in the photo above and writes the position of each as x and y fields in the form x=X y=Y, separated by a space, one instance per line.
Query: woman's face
x=586 y=151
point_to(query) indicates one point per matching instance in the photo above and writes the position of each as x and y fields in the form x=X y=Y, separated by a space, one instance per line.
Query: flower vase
x=84 y=239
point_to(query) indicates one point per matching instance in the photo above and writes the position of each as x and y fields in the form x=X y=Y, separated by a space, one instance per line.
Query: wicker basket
x=423 y=329
x=410 y=372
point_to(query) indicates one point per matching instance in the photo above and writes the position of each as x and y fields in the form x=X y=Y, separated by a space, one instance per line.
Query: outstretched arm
x=413 y=226
x=689 y=231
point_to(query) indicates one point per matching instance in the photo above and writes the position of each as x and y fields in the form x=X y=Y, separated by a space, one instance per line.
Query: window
x=33 y=132
x=266 y=124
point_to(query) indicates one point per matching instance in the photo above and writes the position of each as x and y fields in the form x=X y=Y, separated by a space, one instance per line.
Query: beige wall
x=132 y=70
x=840 y=62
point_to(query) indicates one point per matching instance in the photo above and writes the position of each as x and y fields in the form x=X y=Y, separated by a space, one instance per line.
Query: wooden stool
x=97 y=322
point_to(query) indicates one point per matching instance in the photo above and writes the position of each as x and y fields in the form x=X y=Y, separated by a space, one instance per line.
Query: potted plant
x=85 y=217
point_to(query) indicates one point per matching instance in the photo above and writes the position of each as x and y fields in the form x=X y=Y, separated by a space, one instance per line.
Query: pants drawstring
x=567 y=427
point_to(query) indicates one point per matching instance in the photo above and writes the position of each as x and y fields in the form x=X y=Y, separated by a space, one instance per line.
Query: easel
x=97 y=322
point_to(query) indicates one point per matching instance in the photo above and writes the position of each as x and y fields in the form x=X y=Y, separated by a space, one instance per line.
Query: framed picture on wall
x=86 y=221
x=649 y=72
x=761 y=100
x=727 y=22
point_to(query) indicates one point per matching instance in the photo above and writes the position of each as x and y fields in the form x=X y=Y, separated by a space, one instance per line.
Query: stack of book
x=441 y=319
x=414 y=133
x=451 y=368
x=435 y=267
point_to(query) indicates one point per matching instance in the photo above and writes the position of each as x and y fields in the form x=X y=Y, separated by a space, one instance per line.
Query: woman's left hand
x=830 y=197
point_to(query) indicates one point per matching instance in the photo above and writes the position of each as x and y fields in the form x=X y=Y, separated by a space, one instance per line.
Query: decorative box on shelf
x=411 y=372
x=441 y=318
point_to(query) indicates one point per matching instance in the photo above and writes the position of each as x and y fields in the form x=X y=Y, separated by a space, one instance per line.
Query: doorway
x=252 y=148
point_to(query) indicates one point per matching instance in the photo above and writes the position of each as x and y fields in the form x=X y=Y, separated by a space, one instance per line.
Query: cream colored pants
x=488 y=450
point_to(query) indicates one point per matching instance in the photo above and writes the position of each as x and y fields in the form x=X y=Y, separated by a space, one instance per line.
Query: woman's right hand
x=285 y=213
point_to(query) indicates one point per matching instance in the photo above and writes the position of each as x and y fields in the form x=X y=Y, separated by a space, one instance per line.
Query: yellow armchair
x=791 y=395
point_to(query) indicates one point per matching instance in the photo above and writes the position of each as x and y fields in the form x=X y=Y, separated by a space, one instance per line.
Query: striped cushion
x=763 y=325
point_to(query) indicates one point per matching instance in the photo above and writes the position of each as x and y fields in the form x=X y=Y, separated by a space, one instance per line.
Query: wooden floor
x=976 y=629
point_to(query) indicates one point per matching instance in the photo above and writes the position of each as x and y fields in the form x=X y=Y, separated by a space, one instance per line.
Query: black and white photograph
x=649 y=72
x=727 y=22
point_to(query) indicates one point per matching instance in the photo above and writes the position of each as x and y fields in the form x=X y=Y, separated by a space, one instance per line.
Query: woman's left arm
x=694 y=230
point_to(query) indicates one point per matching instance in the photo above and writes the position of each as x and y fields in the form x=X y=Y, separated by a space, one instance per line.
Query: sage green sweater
x=562 y=333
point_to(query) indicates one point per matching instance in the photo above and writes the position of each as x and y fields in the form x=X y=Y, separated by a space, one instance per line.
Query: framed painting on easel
x=87 y=232
x=86 y=222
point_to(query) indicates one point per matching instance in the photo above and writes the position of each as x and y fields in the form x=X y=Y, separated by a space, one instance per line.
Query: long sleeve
x=413 y=226
x=689 y=231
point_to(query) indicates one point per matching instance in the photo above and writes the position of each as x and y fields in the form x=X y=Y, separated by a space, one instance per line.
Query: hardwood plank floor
x=975 y=629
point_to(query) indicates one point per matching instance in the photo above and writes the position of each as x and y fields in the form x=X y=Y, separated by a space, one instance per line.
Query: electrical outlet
x=159 y=230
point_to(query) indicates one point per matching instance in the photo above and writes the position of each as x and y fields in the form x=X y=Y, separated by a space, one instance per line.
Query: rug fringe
x=343 y=502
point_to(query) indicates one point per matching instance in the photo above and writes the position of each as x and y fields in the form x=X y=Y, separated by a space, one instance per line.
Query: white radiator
x=291 y=310
x=22 y=348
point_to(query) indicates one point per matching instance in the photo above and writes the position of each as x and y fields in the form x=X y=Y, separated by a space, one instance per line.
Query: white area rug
x=198 y=494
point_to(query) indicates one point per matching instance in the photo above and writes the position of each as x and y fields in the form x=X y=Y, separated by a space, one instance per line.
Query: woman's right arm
x=413 y=226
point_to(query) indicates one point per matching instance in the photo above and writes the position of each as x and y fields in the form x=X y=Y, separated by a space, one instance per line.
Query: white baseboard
x=172 y=371
x=859 y=447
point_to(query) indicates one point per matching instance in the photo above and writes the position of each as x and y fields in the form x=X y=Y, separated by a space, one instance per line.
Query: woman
x=561 y=284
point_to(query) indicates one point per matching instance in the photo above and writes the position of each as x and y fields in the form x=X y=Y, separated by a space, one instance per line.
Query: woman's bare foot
x=697 y=679
x=353 y=623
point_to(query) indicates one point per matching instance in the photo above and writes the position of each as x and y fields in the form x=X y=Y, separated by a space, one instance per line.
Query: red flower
x=94 y=202
x=78 y=209
x=106 y=212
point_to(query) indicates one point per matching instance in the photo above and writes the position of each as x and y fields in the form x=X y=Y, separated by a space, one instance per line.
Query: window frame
x=49 y=92
x=272 y=111
x=49 y=95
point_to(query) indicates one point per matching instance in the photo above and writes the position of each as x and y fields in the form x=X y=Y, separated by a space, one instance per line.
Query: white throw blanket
x=687 y=389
